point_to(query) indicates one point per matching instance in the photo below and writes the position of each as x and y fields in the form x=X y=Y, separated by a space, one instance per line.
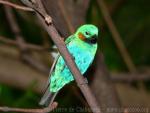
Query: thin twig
x=21 y=43
x=25 y=80
x=66 y=17
x=69 y=62
x=116 y=36
x=29 y=46
x=16 y=6
x=23 y=110
x=130 y=77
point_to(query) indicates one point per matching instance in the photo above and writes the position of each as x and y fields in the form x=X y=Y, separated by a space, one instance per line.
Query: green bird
x=82 y=46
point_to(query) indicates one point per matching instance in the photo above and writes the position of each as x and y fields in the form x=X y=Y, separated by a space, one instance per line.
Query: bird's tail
x=48 y=98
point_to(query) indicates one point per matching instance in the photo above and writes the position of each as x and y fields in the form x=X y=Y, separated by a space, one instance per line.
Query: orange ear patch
x=81 y=36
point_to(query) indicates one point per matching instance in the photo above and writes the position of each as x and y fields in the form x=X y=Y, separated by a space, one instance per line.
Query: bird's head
x=87 y=33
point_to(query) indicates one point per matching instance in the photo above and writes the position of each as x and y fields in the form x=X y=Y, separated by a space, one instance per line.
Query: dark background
x=25 y=53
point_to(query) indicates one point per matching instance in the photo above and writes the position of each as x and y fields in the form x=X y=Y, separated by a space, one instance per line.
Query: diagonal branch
x=29 y=46
x=15 y=5
x=116 y=36
x=130 y=77
x=69 y=61
x=65 y=15
x=102 y=76
x=21 y=43
x=23 y=110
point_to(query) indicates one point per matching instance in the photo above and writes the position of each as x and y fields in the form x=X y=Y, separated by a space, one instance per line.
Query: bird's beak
x=93 y=40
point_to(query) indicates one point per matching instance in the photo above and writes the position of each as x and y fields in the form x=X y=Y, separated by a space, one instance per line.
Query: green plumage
x=82 y=46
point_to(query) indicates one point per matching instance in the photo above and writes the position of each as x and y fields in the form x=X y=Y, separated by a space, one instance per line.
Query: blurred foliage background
x=132 y=20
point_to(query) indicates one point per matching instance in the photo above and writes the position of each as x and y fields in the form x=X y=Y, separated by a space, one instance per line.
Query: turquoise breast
x=61 y=74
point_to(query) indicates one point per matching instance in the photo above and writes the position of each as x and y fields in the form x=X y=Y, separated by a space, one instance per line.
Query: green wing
x=67 y=41
x=47 y=92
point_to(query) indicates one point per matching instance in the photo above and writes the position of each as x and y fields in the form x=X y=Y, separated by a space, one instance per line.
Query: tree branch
x=21 y=43
x=116 y=36
x=15 y=5
x=101 y=75
x=43 y=110
x=65 y=15
x=28 y=46
x=130 y=77
x=69 y=61
x=103 y=87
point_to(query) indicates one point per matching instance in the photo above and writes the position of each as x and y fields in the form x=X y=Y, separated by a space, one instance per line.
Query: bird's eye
x=86 y=33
